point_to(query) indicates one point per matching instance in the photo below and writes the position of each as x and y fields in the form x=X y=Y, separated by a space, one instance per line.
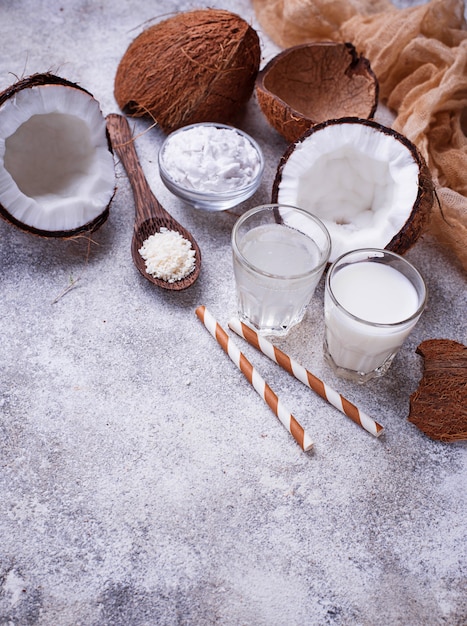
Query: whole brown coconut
x=195 y=67
x=311 y=83
x=368 y=183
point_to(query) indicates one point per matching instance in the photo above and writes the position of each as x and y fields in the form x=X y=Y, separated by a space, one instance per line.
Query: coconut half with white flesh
x=366 y=182
x=57 y=173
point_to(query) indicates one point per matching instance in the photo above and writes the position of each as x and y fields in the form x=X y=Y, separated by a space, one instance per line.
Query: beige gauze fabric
x=419 y=56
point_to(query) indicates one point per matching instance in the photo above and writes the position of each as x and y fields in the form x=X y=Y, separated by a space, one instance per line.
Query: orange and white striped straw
x=306 y=377
x=260 y=386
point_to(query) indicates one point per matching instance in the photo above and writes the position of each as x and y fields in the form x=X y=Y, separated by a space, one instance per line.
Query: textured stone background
x=142 y=481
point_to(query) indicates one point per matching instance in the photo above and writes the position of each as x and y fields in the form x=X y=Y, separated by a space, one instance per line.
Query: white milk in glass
x=378 y=294
x=276 y=296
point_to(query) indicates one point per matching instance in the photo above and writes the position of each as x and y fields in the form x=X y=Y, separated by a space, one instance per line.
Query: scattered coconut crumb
x=168 y=255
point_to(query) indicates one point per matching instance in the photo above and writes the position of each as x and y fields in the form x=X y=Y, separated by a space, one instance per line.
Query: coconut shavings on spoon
x=168 y=256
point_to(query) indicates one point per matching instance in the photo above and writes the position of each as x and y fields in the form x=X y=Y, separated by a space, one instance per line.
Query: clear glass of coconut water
x=373 y=299
x=279 y=254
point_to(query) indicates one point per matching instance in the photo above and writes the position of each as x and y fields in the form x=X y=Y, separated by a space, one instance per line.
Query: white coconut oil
x=210 y=158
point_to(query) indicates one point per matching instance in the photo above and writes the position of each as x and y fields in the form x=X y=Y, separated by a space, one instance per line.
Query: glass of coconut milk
x=279 y=254
x=373 y=299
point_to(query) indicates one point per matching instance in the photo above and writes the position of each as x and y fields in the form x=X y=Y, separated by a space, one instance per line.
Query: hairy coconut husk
x=419 y=217
x=195 y=67
x=38 y=80
x=439 y=405
x=311 y=83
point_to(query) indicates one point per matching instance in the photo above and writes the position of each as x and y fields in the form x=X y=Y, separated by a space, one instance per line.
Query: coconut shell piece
x=194 y=67
x=439 y=406
x=418 y=215
x=310 y=83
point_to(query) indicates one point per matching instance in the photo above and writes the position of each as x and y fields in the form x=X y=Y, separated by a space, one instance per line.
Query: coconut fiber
x=419 y=56
x=439 y=405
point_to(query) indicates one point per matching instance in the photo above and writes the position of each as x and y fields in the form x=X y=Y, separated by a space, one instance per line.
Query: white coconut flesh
x=56 y=170
x=362 y=183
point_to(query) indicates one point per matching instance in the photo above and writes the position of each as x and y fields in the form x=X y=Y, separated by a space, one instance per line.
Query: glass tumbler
x=373 y=299
x=279 y=254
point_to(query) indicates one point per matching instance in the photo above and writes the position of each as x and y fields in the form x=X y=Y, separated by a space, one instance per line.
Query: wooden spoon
x=150 y=215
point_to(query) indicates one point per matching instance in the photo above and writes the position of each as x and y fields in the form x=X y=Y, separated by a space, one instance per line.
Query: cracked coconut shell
x=57 y=172
x=195 y=67
x=439 y=405
x=314 y=82
x=368 y=183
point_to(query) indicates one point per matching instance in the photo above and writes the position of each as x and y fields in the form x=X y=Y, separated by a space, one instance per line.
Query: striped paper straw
x=306 y=377
x=260 y=386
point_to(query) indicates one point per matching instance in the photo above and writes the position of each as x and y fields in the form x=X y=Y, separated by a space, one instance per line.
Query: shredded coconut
x=168 y=255
x=210 y=158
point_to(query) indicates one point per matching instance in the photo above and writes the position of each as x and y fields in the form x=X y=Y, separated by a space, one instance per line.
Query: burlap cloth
x=419 y=56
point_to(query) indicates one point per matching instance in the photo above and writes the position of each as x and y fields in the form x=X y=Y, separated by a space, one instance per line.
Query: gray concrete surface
x=142 y=480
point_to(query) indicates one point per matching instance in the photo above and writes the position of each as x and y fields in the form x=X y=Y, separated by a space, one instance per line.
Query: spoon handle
x=146 y=204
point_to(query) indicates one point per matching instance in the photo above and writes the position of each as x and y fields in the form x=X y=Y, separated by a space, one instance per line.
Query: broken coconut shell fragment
x=368 y=183
x=198 y=66
x=57 y=173
x=439 y=405
x=314 y=82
